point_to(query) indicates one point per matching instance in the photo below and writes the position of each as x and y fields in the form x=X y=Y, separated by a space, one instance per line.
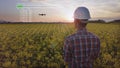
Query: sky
x=57 y=10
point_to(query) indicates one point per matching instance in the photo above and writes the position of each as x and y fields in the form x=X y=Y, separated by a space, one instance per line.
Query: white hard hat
x=82 y=13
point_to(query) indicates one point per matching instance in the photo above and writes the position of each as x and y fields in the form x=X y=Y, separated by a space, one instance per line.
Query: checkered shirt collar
x=81 y=30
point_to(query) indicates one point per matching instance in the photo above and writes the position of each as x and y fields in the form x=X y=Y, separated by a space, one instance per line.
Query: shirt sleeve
x=67 y=52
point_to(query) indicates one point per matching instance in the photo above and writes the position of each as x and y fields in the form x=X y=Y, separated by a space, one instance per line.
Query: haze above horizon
x=56 y=11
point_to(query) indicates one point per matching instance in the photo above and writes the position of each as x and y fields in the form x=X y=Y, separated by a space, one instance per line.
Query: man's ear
x=75 y=20
x=75 y=23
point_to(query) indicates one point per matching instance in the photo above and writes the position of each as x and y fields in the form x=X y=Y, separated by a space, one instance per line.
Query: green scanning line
x=19 y=6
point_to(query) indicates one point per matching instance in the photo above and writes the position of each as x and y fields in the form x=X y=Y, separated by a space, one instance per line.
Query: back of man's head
x=81 y=16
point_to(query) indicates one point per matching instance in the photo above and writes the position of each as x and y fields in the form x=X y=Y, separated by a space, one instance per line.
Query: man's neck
x=81 y=28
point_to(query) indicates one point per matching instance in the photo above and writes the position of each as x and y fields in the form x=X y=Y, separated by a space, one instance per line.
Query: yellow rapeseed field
x=40 y=45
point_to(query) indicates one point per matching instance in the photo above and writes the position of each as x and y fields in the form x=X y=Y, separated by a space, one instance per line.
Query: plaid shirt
x=81 y=49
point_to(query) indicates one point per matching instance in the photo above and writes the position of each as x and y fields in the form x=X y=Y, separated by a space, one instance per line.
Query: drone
x=42 y=14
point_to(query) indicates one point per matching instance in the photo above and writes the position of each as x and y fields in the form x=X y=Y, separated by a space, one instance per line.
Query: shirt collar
x=82 y=30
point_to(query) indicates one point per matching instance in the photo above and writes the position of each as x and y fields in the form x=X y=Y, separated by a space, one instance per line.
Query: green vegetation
x=40 y=45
